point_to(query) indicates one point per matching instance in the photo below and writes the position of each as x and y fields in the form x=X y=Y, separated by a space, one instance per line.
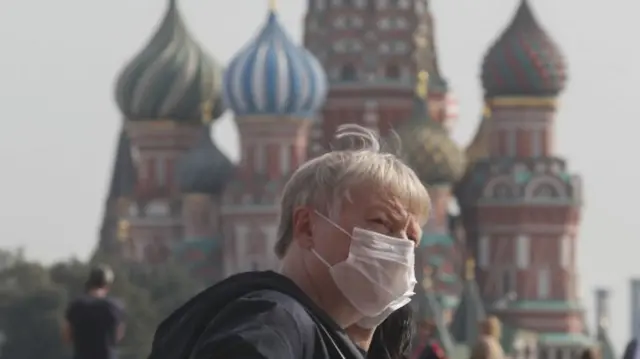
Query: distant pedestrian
x=94 y=322
x=429 y=347
x=488 y=345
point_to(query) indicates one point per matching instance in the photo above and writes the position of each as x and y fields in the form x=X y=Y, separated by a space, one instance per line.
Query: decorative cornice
x=522 y=101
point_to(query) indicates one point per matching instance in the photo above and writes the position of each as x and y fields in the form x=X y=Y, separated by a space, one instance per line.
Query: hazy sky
x=59 y=60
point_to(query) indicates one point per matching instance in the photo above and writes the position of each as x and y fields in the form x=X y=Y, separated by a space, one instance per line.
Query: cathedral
x=509 y=251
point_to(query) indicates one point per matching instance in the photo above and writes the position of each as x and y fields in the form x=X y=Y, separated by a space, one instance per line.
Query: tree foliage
x=30 y=311
x=33 y=299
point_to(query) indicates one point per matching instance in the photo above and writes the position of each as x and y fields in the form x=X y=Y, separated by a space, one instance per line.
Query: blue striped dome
x=273 y=76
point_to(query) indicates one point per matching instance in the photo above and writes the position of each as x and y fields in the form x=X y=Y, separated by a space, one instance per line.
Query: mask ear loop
x=332 y=223
x=313 y=250
x=315 y=253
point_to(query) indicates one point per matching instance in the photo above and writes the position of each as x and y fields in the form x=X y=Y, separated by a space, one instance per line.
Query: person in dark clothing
x=350 y=221
x=94 y=322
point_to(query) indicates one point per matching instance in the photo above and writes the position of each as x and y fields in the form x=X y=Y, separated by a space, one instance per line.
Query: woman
x=488 y=345
x=429 y=347
x=391 y=339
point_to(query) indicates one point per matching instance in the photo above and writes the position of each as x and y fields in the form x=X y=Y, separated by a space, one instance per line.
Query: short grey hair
x=356 y=159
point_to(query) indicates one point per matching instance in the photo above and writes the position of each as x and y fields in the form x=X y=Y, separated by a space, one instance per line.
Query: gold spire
x=471 y=269
x=422 y=87
x=123 y=230
x=272 y=5
x=486 y=111
x=206 y=112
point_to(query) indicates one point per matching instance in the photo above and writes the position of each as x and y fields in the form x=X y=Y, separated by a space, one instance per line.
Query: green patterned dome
x=172 y=78
x=524 y=61
x=429 y=150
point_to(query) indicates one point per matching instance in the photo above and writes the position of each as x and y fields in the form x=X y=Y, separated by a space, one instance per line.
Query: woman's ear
x=302 y=224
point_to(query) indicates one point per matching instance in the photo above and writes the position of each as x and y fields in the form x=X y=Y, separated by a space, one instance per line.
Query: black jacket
x=254 y=315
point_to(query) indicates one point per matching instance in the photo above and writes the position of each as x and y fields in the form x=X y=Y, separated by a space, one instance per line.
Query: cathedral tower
x=203 y=174
x=439 y=163
x=165 y=93
x=372 y=51
x=274 y=87
x=520 y=203
x=115 y=228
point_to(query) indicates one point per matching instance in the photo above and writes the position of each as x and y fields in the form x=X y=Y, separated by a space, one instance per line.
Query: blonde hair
x=491 y=326
x=355 y=159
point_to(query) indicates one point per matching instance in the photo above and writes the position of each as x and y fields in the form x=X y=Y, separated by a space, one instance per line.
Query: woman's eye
x=379 y=221
x=384 y=226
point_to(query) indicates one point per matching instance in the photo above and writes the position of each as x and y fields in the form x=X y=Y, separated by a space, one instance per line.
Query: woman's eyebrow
x=393 y=211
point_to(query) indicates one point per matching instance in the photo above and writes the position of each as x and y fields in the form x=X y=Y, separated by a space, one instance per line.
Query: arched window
x=348 y=73
x=392 y=71
x=502 y=191
x=157 y=208
x=545 y=191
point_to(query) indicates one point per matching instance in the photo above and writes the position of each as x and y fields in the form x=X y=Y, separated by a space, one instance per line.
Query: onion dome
x=272 y=76
x=524 y=61
x=427 y=147
x=204 y=169
x=172 y=78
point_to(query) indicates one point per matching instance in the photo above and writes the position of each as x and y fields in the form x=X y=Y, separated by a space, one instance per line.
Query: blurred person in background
x=94 y=322
x=349 y=224
x=430 y=346
x=488 y=345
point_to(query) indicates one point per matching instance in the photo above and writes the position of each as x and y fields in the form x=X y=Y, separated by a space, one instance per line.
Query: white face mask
x=378 y=276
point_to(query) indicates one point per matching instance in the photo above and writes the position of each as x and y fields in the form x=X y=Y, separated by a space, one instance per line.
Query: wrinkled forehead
x=402 y=201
